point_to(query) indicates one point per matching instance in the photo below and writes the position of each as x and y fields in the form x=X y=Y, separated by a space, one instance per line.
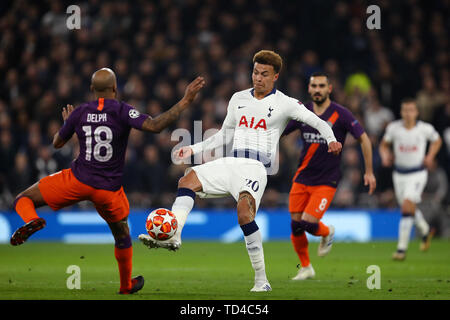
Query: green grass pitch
x=213 y=270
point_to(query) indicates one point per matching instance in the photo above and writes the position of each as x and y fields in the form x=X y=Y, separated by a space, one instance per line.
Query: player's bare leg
x=25 y=205
x=188 y=185
x=246 y=210
x=408 y=210
x=123 y=251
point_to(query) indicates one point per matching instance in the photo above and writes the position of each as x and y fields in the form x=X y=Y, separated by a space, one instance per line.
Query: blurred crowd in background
x=157 y=47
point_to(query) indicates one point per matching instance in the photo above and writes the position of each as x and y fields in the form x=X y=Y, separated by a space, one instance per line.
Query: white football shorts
x=231 y=176
x=409 y=185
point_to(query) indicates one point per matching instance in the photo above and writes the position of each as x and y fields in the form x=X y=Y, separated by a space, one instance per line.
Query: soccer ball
x=161 y=224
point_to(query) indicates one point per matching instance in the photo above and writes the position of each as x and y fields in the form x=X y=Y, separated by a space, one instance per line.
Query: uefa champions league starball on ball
x=161 y=224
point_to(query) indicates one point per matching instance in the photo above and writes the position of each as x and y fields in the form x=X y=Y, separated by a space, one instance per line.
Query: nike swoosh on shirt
x=240 y=107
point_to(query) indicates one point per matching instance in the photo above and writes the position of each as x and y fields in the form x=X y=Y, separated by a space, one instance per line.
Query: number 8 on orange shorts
x=313 y=200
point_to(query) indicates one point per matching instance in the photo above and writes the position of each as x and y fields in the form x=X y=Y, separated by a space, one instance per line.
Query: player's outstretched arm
x=164 y=120
x=302 y=114
x=385 y=153
x=432 y=152
x=335 y=147
x=369 y=177
x=58 y=142
x=220 y=138
x=183 y=153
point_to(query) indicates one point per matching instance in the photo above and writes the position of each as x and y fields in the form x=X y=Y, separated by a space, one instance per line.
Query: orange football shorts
x=313 y=200
x=62 y=189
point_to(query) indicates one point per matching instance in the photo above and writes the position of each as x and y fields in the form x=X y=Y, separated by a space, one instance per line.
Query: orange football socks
x=300 y=243
x=25 y=208
x=124 y=260
x=322 y=230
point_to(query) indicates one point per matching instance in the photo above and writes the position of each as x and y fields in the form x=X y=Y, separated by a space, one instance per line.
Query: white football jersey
x=257 y=125
x=409 y=145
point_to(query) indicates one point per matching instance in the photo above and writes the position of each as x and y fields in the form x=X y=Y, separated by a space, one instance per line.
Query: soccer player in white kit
x=254 y=122
x=408 y=138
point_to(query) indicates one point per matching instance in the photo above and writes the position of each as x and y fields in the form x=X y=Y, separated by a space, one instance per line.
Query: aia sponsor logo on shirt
x=408 y=148
x=252 y=123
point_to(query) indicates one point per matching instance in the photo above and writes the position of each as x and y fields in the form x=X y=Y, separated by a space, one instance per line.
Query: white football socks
x=253 y=243
x=421 y=223
x=404 y=232
x=181 y=208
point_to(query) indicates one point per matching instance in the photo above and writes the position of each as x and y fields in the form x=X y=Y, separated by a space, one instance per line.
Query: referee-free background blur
x=157 y=47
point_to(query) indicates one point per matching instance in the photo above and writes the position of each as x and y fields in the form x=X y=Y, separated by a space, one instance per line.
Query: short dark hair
x=269 y=57
x=319 y=74
x=408 y=100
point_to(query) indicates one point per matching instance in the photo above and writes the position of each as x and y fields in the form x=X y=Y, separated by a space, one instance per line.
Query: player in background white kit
x=256 y=119
x=408 y=138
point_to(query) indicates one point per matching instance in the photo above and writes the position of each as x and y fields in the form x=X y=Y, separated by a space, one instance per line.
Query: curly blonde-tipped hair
x=269 y=57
